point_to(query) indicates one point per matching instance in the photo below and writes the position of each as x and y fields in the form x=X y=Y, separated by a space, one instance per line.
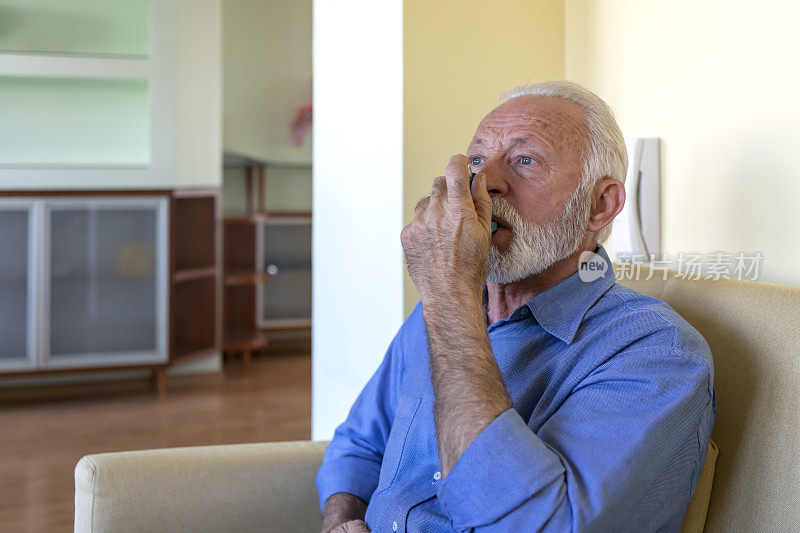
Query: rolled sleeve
x=502 y=469
x=354 y=475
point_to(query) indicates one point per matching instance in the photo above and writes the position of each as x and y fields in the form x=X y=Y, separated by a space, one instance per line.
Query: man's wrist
x=452 y=303
x=340 y=508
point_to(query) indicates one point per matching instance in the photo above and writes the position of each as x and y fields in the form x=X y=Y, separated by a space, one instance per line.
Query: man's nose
x=496 y=178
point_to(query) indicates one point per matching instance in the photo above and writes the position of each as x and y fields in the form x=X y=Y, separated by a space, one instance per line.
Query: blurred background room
x=157 y=170
x=155 y=225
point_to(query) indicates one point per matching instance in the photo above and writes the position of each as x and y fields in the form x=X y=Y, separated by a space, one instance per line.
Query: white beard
x=535 y=248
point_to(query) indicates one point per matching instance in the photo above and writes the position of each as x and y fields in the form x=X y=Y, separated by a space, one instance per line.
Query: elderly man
x=520 y=395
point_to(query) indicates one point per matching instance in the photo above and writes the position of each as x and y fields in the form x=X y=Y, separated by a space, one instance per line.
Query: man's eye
x=477 y=160
x=526 y=160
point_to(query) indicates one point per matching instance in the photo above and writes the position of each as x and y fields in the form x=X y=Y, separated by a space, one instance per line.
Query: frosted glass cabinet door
x=287 y=245
x=15 y=286
x=286 y=295
x=106 y=281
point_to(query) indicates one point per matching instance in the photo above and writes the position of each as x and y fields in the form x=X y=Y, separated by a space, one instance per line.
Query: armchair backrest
x=753 y=329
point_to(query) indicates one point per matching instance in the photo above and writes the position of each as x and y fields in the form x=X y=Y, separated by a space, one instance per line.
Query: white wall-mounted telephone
x=636 y=234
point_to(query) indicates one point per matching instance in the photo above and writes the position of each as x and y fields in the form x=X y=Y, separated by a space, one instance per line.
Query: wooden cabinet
x=107 y=279
x=267 y=254
x=243 y=276
x=196 y=328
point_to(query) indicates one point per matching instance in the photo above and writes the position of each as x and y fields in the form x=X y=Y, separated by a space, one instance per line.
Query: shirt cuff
x=505 y=466
x=351 y=475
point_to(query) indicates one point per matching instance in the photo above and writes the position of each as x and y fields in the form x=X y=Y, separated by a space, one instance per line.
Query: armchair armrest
x=239 y=487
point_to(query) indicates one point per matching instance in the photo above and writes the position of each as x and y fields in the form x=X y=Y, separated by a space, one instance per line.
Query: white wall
x=184 y=85
x=358 y=187
x=198 y=93
x=267 y=76
x=716 y=80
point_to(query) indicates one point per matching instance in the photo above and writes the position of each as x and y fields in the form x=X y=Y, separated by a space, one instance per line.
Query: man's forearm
x=340 y=508
x=469 y=392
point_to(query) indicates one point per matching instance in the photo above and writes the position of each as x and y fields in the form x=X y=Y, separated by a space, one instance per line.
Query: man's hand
x=343 y=510
x=446 y=246
x=354 y=526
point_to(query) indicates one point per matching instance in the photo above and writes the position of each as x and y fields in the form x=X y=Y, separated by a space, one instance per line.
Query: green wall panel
x=74 y=122
x=94 y=27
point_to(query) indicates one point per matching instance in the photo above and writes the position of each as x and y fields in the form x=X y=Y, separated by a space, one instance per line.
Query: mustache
x=504 y=212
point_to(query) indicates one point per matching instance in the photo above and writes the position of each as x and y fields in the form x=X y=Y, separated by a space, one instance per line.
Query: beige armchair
x=240 y=487
x=229 y=488
x=754 y=335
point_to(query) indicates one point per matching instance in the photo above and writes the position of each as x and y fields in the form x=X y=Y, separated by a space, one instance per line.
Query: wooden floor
x=40 y=441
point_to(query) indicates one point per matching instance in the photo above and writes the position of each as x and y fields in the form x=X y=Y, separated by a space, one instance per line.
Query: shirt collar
x=561 y=308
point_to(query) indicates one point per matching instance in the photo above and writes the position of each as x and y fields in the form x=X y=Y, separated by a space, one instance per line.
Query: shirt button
x=437 y=476
x=394 y=526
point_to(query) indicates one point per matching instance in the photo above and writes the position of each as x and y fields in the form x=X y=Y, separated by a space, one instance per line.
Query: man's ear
x=608 y=198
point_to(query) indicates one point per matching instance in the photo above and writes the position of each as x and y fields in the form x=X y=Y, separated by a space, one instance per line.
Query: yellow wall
x=717 y=81
x=460 y=56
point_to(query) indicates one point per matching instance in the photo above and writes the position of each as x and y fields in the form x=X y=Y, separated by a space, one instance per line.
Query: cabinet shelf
x=188 y=355
x=244 y=278
x=69 y=66
x=270 y=217
x=287 y=217
x=192 y=274
x=244 y=219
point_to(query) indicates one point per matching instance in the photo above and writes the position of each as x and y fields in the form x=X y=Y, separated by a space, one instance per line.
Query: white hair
x=604 y=153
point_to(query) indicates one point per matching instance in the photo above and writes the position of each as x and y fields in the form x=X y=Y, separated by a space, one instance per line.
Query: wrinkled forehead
x=556 y=122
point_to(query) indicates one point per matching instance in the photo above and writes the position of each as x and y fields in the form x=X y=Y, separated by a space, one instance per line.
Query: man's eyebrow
x=516 y=141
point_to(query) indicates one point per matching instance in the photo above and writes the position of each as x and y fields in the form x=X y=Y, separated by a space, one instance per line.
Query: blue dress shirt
x=613 y=406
